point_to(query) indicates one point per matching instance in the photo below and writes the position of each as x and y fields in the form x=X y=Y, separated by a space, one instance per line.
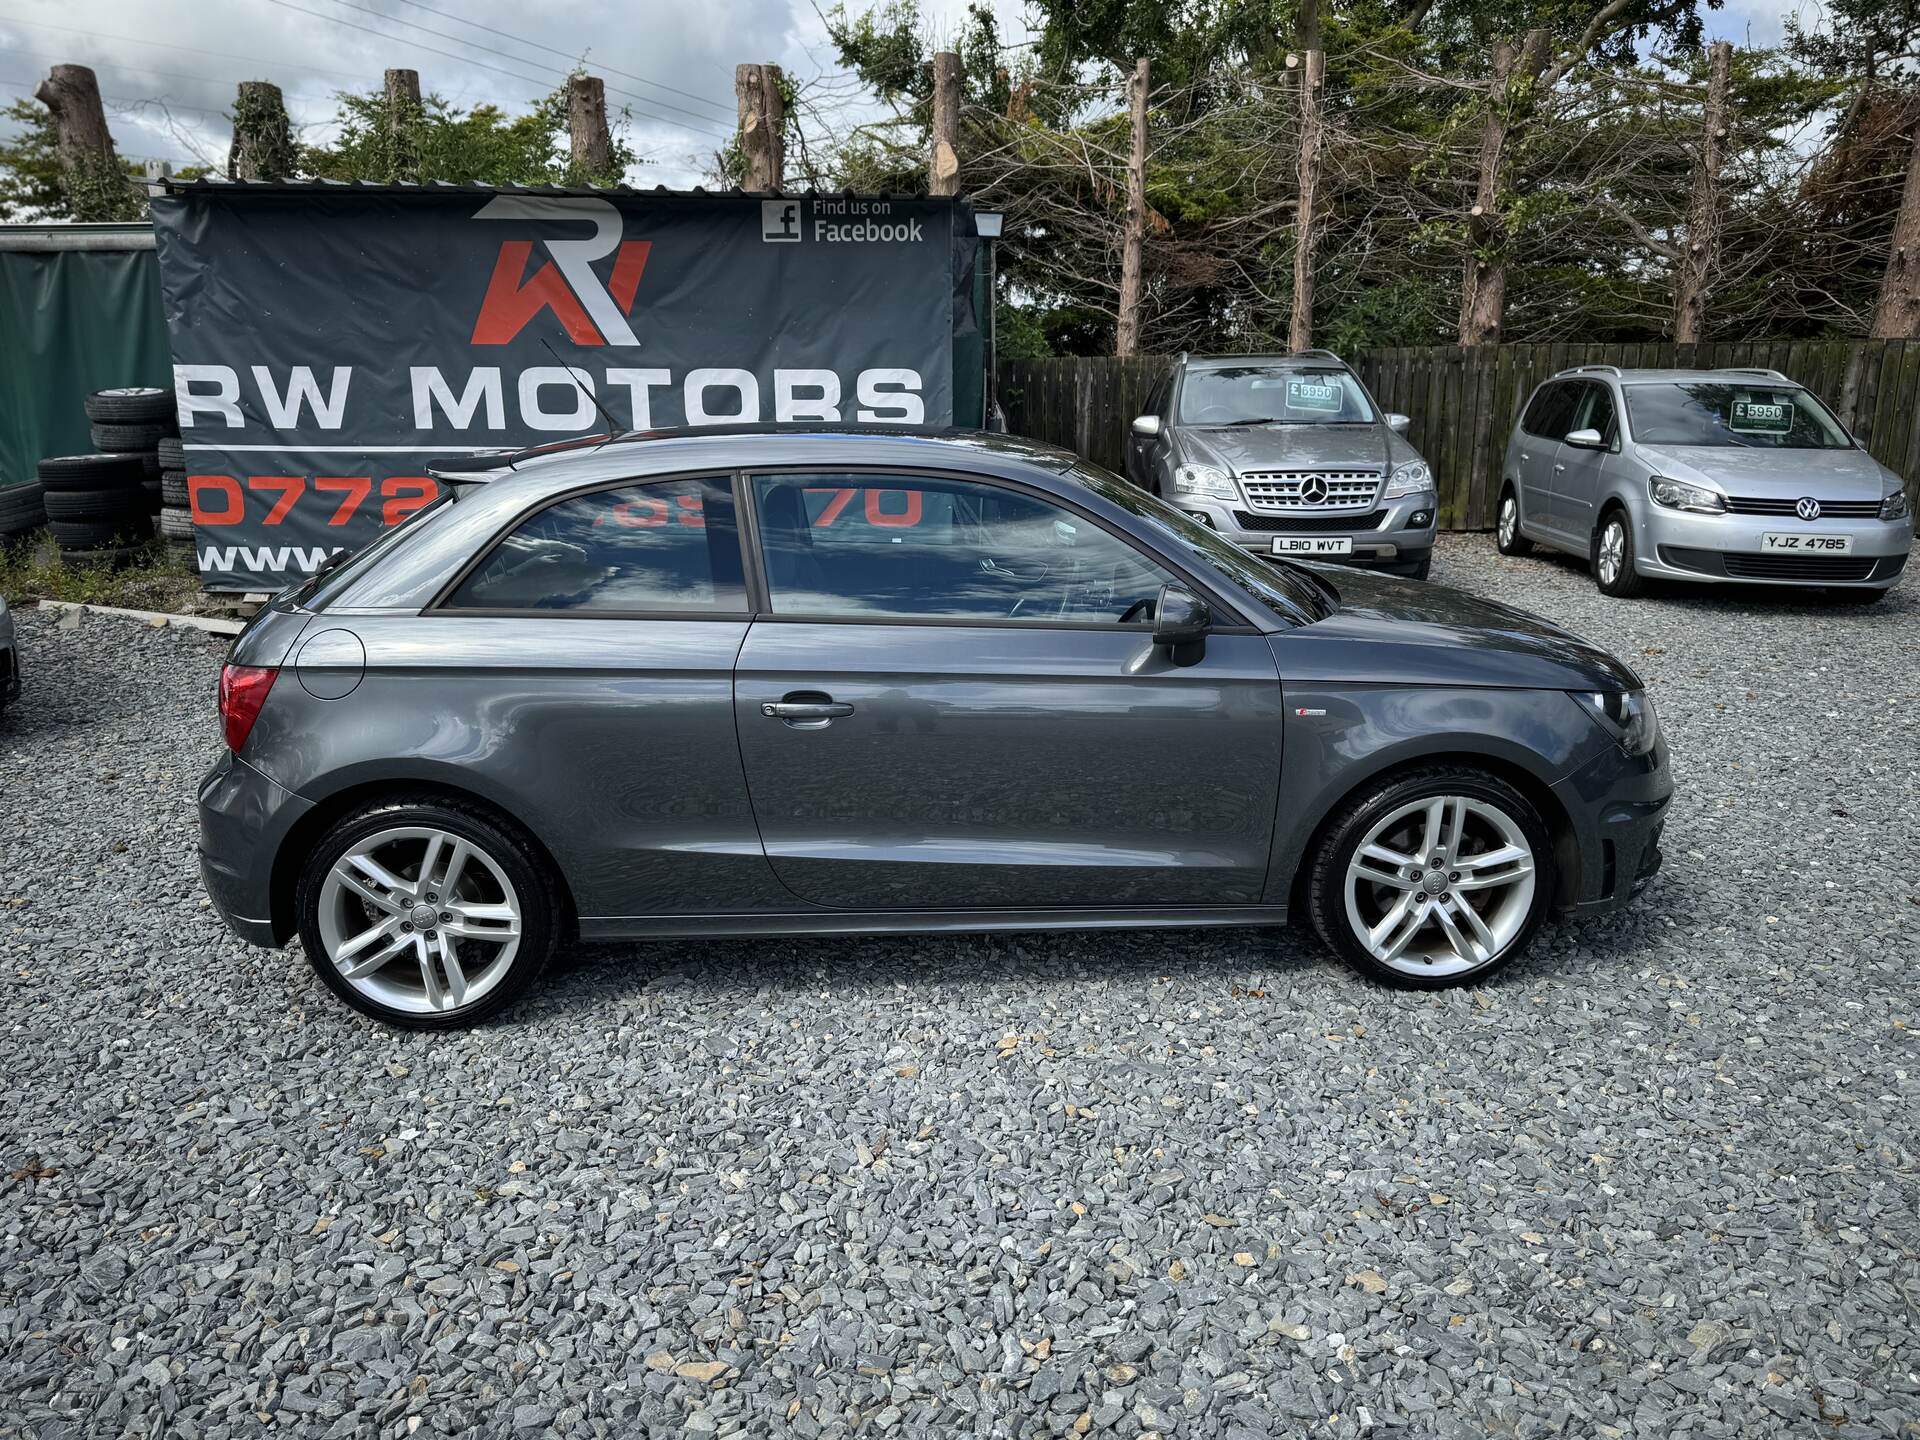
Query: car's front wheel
x=1507 y=536
x=1613 y=562
x=426 y=914
x=1434 y=878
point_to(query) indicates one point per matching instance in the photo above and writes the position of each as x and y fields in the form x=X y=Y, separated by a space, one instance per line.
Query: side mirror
x=1586 y=440
x=1180 y=622
x=1399 y=424
x=1146 y=426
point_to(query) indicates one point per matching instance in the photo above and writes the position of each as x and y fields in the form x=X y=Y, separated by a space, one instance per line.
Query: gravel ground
x=1660 y=1179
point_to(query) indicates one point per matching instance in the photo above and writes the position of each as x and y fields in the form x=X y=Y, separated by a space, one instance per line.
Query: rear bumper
x=1618 y=807
x=244 y=816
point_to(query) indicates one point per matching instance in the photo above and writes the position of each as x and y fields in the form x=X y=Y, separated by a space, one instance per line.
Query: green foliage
x=434 y=140
x=31 y=569
x=33 y=186
x=261 y=116
x=1019 y=333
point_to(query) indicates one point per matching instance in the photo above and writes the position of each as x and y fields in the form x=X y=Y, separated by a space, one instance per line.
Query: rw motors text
x=556 y=398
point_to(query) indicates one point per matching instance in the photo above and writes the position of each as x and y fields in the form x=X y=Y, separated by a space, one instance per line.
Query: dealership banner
x=331 y=343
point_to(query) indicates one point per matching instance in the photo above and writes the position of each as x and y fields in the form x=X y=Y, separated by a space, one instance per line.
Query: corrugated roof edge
x=448 y=187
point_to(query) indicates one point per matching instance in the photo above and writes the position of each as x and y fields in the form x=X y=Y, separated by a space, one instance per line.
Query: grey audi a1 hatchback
x=737 y=682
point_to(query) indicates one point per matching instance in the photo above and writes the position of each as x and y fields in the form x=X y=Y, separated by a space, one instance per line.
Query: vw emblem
x=1313 y=490
x=1807 y=508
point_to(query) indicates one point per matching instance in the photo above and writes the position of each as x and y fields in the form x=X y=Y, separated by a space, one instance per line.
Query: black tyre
x=110 y=557
x=151 y=489
x=90 y=472
x=105 y=506
x=173 y=488
x=181 y=552
x=176 y=524
x=1613 y=557
x=1423 y=569
x=101 y=534
x=471 y=918
x=131 y=405
x=127 y=437
x=22 y=508
x=1506 y=533
x=169 y=453
x=1377 y=899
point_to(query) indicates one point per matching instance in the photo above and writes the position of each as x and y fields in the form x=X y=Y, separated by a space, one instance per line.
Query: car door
x=953 y=701
x=1548 y=418
x=1577 y=471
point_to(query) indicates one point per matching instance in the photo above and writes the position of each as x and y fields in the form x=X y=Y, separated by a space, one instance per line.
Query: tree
x=32 y=186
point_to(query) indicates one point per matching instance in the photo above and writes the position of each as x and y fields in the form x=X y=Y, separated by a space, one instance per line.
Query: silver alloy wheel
x=419 y=919
x=1441 y=886
x=1509 y=519
x=1613 y=551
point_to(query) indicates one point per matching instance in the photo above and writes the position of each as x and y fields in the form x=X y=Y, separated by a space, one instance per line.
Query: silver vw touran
x=1704 y=475
x=772 y=682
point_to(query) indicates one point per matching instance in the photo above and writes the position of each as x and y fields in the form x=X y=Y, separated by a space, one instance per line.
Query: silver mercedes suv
x=1287 y=455
x=1701 y=475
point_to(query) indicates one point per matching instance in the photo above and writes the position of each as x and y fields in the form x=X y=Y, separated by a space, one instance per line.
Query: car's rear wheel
x=1435 y=878
x=426 y=914
x=1613 y=562
x=1507 y=536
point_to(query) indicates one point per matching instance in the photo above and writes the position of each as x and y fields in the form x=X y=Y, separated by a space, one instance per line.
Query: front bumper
x=1617 y=804
x=1383 y=536
x=1726 y=549
x=244 y=817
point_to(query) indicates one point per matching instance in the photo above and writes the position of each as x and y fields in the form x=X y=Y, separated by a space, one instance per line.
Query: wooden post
x=262 y=146
x=403 y=108
x=1896 y=315
x=89 y=168
x=1694 y=273
x=1312 y=82
x=943 y=164
x=1483 y=288
x=587 y=126
x=763 y=114
x=1133 y=239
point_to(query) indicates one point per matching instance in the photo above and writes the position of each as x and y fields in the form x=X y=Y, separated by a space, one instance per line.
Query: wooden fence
x=1463 y=401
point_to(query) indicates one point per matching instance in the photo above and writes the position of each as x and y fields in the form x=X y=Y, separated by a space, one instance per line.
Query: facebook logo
x=780 y=221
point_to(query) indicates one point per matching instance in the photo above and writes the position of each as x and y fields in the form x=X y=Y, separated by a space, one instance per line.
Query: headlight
x=1408 y=479
x=1628 y=714
x=1678 y=495
x=1894 y=507
x=1204 y=480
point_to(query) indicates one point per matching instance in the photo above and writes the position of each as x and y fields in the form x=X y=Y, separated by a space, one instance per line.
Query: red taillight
x=243 y=690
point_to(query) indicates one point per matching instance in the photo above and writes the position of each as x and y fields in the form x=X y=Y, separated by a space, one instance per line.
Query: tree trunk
x=403 y=110
x=1312 y=82
x=262 y=147
x=1307 y=26
x=943 y=164
x=1897 y=314
x=1126 y=340
x=1694 y=274
x=89 y=169
x=1483 y=288
x=587 y=125
x=763 y=144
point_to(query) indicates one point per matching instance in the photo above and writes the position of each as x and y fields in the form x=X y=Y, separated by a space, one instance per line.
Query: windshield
x=1714 y=412
x=1289 y=592
x=1273 y=395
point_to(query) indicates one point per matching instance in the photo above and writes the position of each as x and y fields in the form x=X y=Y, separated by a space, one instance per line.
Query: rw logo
x=591 y=312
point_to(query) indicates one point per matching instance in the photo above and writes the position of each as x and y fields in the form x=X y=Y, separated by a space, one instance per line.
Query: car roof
x=1321 y=358
x=1648 y=375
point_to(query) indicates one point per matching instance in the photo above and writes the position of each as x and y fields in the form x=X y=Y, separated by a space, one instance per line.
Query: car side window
x=858 y=546
x=1596 y=411
x=667 y=546
x=1550 y=415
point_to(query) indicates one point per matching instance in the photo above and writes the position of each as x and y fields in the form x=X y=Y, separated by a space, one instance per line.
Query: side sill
x=921 y=922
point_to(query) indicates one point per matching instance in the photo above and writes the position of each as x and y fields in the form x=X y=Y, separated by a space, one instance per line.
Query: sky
x=167 y=68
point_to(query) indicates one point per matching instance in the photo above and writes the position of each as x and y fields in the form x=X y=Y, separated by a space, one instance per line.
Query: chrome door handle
x=818 y=710
x=1558 y=468
x=1525 y=456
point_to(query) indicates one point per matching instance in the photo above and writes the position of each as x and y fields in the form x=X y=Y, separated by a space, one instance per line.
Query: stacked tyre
x=176 y=510
x=22 y=509
x=133 y=420
x=97 y=507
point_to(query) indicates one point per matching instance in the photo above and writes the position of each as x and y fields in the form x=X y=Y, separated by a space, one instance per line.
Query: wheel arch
x=1537 y=791
x=327 y=812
